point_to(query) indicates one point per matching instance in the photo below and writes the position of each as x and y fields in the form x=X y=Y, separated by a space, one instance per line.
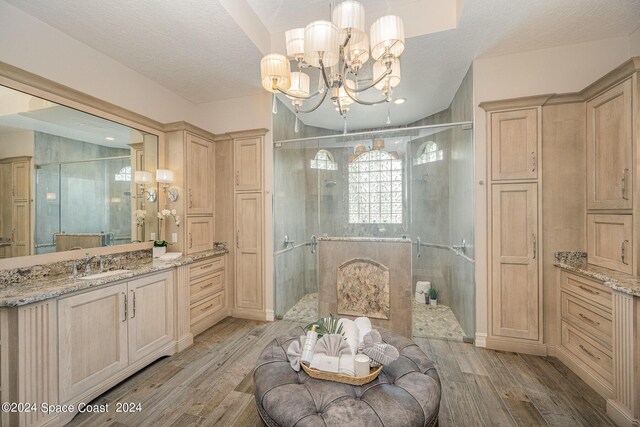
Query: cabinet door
x=514 y=144
x=21 y=173
x=199 y=170
x=248 y=164
x=199 y=234
x=20 y=229
x=150 y=314
x=6 y=206
x=514 y=287
x=92 y=334
x=609 y=149
x=610 y=241
x=249 y=251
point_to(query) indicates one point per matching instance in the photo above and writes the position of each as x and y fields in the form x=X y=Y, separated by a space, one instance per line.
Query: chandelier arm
x=324 y=74
x=314 y=108
x=378 y=80
x=361 y=102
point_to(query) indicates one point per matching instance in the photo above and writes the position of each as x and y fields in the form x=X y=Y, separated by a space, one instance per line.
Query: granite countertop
x=576 y=262
x=18 y=292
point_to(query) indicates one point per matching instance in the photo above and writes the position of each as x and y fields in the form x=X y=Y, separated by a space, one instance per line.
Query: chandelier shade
x=349 y=18
x=321 y=43
x=357 y=54
x=387 y=37
x=275 y=70
x=295 y=43
x=390 y=81
x=299 y=85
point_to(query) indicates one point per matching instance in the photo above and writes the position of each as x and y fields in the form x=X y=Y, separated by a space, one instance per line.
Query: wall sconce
x=164 y=178
x=141 y=178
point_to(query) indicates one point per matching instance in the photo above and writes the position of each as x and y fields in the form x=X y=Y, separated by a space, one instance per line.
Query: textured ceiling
x=196 y=49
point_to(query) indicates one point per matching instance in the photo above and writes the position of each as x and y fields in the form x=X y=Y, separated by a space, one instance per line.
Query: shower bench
x=406 y=393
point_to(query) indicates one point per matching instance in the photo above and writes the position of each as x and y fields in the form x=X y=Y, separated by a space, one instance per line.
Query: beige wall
x=634 y=43
x=556 y=70
x=18 y=143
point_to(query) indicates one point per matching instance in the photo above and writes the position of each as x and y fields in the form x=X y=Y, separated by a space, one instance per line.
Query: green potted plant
x=433 y=296
x=159 y=248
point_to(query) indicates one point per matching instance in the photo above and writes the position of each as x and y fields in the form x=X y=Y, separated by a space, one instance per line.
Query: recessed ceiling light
x=400 y=101
x=109 y=138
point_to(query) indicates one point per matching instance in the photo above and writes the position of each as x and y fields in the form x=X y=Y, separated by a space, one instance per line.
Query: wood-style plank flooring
x=210 y=383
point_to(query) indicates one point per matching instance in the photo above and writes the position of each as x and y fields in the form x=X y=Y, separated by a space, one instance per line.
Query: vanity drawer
x=594 y=357
x=209 y=285
x=205 y=267
x=588 y=318
x=207 y=308
x=594 y=292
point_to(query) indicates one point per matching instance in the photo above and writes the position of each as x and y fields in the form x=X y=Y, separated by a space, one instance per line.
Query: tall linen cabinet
x=514 y=224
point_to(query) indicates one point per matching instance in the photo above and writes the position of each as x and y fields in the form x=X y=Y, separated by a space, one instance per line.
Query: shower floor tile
x=428 y=321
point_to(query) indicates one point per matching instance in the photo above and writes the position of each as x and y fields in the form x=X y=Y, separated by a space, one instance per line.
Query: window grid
x=427 y=153
x=375 y=189
x=124 y=174
x=323 y=160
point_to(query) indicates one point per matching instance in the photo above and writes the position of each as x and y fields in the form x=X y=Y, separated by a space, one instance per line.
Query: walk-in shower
x=407 y=182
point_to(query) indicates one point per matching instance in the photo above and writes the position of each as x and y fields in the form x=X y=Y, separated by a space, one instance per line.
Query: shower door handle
x=418 y=247
x=314 y=244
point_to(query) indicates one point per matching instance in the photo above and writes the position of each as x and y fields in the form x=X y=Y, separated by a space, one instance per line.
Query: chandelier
x=338 y=50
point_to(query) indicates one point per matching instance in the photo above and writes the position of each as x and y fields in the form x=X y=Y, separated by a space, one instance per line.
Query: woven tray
x=340 y=378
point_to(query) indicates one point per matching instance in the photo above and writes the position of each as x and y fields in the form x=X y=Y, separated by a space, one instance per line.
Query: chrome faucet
x=74 y=272
x=461 y=248
x=87 y=263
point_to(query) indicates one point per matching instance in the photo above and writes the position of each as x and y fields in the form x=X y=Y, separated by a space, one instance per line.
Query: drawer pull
x=588 y=352
x=207 y=307
x=211 y=284
x=623 y=252
x=204 y=267
x=589 y=290
x=588 y=319
x=125 y=306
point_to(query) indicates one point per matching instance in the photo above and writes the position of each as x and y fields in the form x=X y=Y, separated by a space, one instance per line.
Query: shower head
x=328 y=183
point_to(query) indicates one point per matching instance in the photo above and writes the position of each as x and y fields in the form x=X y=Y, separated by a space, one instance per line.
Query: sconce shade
x=299 y=84
x=275 y=67
x=295 y=43
x=142 y=177
x=164 y=176
x=349 y=18
x=321 y=42
x=392 y=80
x=387 y=33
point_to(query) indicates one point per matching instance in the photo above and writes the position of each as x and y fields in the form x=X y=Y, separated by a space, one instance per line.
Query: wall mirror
x=67 y=179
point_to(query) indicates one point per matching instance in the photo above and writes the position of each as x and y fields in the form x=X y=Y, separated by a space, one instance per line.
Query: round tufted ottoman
x=406 y=393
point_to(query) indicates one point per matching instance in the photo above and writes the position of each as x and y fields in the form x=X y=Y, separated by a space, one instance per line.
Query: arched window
x=428 y=152
x=375 y=189
x=124 y=174
x=323 y=160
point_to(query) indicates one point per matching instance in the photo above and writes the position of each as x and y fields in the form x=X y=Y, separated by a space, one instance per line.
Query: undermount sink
x=103 y=275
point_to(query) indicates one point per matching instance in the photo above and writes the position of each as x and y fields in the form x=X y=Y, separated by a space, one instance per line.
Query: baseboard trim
x=534 y=348
x=620 y=414
x=249 y=314
x=602 y=388
x=184 y=342
x=270 y=315
x=481 y=339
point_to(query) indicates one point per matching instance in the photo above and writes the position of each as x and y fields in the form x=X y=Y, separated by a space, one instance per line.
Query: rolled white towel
x=347 y=365
x=350 y=333
x=364 y=327
x=322 y=362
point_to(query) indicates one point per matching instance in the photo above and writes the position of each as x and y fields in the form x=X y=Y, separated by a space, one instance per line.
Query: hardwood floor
x=211 y=383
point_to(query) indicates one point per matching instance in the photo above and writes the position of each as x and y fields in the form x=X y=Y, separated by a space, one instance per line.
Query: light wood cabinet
x=21 y=187
x=6 y=200
x=150 y=324
x=102 y=332
x=207 y=293
x=610 y=241
x=92 y=337
x=249 y=251
x=199 y=175
x=248 y=163
x=610 y=149
x=199 y=234
x=20 y=231
x=514 y=144
x=514 y=279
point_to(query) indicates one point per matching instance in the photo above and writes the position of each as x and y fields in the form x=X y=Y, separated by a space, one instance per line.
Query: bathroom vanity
x=66 y=340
